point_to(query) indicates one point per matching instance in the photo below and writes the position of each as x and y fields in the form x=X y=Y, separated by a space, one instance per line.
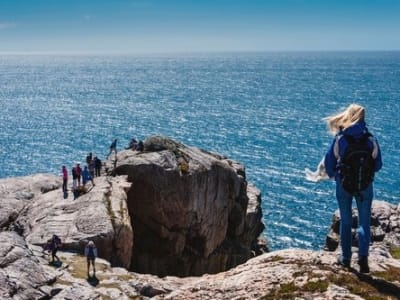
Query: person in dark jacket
x=113 y=148
x=52 y=246
x=351 y=122
x=97 y=163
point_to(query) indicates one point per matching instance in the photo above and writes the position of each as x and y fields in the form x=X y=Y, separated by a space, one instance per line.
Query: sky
x=162 y=26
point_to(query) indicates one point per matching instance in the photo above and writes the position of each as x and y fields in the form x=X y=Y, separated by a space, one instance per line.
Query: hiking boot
x=363 y=263
x=343 y=262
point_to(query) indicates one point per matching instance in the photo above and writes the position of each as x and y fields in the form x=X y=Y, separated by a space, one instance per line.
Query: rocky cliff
x=170 y=210
x=160 y=208
x=192 y=211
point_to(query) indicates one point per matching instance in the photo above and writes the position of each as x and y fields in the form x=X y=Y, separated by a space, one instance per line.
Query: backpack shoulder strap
x=336 y=146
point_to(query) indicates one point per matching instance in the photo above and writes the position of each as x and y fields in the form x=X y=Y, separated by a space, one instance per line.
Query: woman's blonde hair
x=344 y=119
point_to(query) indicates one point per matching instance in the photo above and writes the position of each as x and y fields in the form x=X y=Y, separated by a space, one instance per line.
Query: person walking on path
x=65 y=179
x=113 y=148
x=353 y=146
x=91 y=254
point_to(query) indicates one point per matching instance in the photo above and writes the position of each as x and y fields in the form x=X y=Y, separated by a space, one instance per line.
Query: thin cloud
x=6 y=25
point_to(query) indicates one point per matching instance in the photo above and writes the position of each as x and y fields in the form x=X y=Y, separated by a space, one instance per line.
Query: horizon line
x=151 y=53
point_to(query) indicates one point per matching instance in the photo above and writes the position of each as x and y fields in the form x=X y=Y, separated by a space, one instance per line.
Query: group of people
x=81 y=177
x=54 y=244
x=135 y=145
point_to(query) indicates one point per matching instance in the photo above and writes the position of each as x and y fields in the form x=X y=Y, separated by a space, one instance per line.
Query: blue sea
x=264 y=110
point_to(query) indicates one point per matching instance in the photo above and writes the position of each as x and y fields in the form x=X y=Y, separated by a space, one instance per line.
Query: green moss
x=395 y=252
x=391 y=274
x=358 y=287
x=285 y=291
x=315 y=286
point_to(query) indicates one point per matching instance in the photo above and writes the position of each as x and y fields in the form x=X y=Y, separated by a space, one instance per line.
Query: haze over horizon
x=154 y=26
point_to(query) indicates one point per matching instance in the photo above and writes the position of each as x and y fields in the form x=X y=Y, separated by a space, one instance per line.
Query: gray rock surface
x=190 y=209
x=167 y=194
x=16 y=192
x=100 y=215
x=22 y=274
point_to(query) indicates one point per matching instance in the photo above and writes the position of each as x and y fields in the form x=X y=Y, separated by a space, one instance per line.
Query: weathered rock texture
x=21 y=274
x=285 y=274
x=190 y=186
x=100 y=215
x=192 y=211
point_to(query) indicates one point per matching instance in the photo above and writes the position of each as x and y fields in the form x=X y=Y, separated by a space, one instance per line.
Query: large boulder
x=17 y=192
x=21 y=273
x=192 y=211
x=100 y=215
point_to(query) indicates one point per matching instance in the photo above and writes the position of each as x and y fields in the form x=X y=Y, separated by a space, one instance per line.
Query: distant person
x=65 y=179
x=97 y=166
x=352 y=159
x=86 y=176
x=140 y=146
x=92 y=167
x=74 y=176
x=132 y=144
x=53 y=245
x=75 y=189
x=78 y=173
x=113 y=148
x=89 y=158
x=91 y=254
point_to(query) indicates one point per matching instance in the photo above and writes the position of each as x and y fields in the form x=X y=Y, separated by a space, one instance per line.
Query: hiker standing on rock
x=91 y=254
x=78 y=173
x=65 y=178
x=352 y=159
x=97 y=163
x=113 y=148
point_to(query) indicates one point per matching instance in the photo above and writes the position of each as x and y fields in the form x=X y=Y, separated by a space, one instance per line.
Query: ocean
x=264 y=110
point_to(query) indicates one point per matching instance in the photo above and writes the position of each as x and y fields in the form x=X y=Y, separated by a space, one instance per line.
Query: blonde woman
x=349 y=127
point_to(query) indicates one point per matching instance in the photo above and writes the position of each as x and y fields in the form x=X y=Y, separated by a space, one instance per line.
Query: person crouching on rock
x=91 y=254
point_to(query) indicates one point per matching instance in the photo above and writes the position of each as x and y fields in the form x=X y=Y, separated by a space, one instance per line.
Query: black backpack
x=357 y=164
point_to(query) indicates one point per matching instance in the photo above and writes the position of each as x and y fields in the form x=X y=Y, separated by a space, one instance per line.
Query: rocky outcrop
x=21 y=273
x=16 y=193
x=100 y=215
x=158 y=201
x=170 y=210
x=192 y=211
x=284 y=274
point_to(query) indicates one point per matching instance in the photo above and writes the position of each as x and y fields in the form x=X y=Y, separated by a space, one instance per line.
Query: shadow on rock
x=93 y=280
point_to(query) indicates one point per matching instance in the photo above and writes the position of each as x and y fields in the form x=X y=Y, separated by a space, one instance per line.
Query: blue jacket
x=338 y=148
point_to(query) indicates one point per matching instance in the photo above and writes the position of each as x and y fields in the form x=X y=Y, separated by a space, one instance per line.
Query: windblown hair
x=352 y=114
